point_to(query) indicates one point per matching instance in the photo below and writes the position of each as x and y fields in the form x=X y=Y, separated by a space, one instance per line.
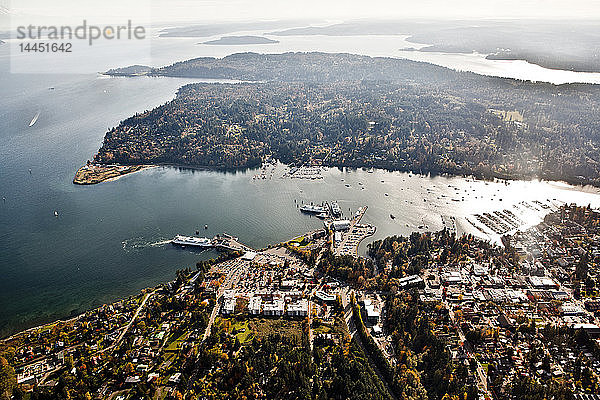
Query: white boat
x=35 y=118
x=192 y=241
x=307 y=208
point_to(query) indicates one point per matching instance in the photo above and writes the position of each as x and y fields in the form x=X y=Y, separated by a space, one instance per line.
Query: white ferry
x=313 y=209
x=192 y=241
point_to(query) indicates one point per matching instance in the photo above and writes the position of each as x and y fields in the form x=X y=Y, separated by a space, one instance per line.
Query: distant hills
x=569 y=45
x=241 y=40
x=208 y=30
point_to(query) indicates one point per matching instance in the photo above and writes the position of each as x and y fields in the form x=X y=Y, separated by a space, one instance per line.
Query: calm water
x=109 y=240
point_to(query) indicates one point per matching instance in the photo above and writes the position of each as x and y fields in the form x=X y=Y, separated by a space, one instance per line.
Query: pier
x=355 y=234
x=229 y=243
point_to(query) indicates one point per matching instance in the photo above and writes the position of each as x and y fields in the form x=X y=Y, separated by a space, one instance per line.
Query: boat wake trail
x=160 y=243
x=139 y=243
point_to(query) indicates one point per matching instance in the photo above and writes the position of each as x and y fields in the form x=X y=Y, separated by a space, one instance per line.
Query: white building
x=341 y=225
x=324 y=297
x=228 y=306
x=452 y=277
x=249 y=256
x=274 y=308
x=337 y=237
x=372 y=314
x=298 y=308
x=254 y=306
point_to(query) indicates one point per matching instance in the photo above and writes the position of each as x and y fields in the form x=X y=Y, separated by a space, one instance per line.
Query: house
x=175 y=378
x=592 y=329
x=249 y=256
x=452 y=278
x=228 y=305
x=411 y=281
x=337 y=237
x=324 y=297
x=542 y=282
x=372 y=314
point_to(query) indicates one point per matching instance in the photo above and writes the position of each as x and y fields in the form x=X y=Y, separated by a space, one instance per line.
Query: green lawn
x=175 y=345
x=244 y=333
x=322 y=328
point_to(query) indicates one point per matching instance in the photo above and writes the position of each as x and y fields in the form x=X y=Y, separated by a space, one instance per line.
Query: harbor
x=167 y=201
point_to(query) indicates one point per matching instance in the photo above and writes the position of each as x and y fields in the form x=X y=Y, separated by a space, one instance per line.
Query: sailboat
x=35 y=118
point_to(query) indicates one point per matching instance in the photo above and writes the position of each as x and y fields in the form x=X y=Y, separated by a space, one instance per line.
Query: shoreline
x=93 y=174
x=97 y=173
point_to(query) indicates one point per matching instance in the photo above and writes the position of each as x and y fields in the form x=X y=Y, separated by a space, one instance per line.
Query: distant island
x=213 y=29
x=358 y=111
x=133 y=70
x=568 y=45
x=240 y=40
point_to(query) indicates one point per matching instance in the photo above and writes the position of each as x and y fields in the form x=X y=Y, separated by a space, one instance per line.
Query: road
x=230 y=280
x=233 y=274
x=481 y=374
x=137 y=312
x=348 y=317
x=131 y=321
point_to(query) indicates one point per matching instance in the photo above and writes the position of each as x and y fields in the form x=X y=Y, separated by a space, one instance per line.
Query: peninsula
x=358 y=111
x=91 y=174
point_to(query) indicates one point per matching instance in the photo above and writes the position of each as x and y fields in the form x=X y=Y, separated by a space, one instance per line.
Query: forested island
x=359 y=111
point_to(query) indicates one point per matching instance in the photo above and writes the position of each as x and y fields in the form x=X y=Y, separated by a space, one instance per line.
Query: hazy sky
x=227 y=10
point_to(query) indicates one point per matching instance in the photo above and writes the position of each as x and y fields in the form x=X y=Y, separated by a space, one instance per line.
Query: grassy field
x=264 y=327
x=319 y=327
x=247 y=329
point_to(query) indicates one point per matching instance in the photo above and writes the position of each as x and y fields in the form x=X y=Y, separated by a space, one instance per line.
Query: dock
x=229 y=243
x=355 y=234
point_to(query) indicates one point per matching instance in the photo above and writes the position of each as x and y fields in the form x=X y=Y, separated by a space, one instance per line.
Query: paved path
x=481 y=374
x=124 y=331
